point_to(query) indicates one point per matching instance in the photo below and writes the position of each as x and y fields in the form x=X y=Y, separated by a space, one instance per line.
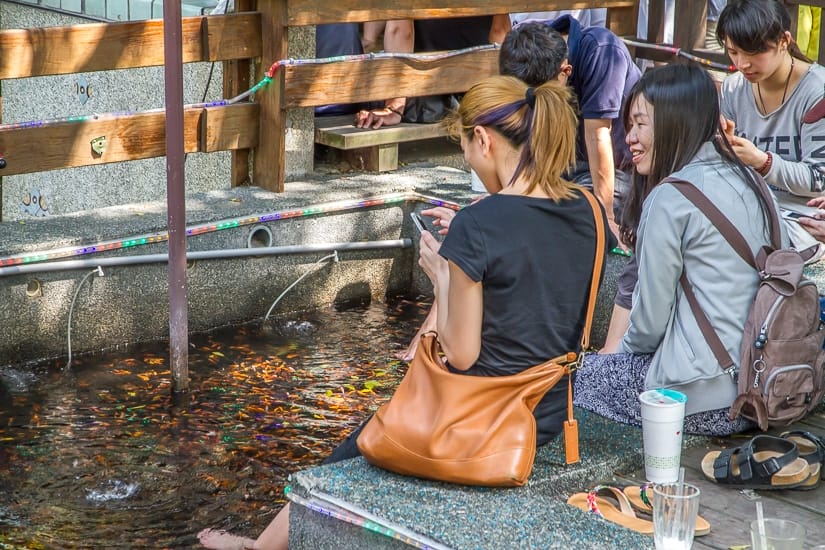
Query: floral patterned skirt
x=609 y=385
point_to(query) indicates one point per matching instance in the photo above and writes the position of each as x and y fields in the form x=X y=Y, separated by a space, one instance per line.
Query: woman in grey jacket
x=674 y=129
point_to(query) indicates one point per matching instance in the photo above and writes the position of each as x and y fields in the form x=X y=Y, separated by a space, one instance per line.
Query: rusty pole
x=175 y=197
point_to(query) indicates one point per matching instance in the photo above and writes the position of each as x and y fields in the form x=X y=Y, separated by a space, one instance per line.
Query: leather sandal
x=812 y=449
x=764 y=462
x=641 y=499
x=595 y=501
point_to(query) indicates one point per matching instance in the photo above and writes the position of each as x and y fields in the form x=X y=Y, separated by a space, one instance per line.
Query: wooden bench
x=375 y=149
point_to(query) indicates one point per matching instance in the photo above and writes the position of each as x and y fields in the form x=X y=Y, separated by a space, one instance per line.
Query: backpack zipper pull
x=762 y=339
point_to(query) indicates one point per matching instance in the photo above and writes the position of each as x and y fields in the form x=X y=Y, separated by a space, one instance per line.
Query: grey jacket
x=798 y=154
x=674 y=235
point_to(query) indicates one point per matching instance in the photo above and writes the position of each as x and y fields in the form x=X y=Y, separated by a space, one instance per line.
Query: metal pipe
x=322 y=209
x=69 y=265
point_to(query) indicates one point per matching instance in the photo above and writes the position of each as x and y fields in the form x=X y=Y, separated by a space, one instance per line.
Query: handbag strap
x=598 y=263
x=571 y=426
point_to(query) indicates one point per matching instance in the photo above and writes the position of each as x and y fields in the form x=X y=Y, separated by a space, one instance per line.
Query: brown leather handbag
x=473 y=430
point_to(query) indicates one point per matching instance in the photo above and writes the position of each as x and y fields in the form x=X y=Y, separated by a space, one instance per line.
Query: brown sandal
x=595 y=501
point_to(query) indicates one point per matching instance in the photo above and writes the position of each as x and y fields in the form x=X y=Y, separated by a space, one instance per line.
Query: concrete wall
x=130 y=302
x=41 y=98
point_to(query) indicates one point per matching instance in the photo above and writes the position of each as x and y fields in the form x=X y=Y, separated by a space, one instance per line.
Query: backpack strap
x=711 y=337
x=719 y=220
x=737 y=242
x=773 y=215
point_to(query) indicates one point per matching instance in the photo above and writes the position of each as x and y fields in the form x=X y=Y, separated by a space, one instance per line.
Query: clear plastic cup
x=779 y=534
x=675 y=509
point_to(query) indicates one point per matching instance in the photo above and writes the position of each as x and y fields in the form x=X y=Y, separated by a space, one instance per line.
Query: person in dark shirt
x=513 y=276
x=597 y=65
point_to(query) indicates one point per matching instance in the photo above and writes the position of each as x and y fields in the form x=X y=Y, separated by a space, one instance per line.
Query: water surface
x=101 y=456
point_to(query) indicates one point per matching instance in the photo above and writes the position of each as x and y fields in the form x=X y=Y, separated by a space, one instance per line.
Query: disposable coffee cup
x=475 y=183
x=663 y=419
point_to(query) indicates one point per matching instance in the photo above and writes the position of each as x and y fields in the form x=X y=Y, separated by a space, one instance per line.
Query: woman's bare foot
x=408 y=354
x=428 y=325
x=218 y=539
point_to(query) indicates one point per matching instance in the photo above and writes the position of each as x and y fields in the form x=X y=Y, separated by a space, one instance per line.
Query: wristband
x=765 y=168
x=393 y=110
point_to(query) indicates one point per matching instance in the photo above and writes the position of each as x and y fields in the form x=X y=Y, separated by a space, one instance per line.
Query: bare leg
x=428 y=325
x=370 y=35
x=276 y=534
x=274 y=537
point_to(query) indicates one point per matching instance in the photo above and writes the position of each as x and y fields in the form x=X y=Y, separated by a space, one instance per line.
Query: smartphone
x=791 y=215
x=418 y=222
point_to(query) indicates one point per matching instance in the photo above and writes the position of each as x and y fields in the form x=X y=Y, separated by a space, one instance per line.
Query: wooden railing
x=104 y=46
x=239 y=40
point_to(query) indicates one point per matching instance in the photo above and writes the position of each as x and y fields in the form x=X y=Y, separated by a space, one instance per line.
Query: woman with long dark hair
x=674 y=130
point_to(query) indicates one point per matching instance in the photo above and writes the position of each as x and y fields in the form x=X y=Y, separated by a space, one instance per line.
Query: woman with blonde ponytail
x=512 y=276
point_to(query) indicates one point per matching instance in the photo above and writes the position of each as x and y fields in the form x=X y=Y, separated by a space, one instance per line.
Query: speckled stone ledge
x=533 y=516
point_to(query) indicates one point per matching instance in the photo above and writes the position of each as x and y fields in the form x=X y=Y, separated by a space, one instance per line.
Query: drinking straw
x=680 y=485
x=760 y=522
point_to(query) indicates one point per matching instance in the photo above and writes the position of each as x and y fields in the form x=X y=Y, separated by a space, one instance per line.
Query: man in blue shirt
x=596 y=63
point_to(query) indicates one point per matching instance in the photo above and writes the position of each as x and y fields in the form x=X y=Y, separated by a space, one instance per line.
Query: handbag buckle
x=576 y=360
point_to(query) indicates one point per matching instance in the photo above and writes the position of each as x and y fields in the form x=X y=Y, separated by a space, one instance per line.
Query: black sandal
x=812 y=449
x=764 y=462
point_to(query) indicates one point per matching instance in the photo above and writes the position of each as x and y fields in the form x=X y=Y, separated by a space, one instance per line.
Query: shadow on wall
x=352 y=295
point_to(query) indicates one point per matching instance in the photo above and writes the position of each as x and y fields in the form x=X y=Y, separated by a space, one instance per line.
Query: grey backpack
x=781 y=376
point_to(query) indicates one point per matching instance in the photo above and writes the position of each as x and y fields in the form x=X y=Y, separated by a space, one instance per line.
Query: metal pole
x=175 y=198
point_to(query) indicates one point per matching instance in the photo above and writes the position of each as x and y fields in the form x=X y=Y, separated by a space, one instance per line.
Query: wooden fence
x=248 y=42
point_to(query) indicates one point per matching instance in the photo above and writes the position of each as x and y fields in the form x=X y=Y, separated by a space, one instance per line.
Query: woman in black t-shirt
x=512 y=276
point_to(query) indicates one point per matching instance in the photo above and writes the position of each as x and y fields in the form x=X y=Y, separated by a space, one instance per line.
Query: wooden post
x=623 y=21
x=2 y=162
x=656 y=21
x=268 y=171
x=236 y=81
x=690 y=22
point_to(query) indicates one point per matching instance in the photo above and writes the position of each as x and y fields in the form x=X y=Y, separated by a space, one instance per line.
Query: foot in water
x=218 y=539
x=428 y=325
x=408 y=353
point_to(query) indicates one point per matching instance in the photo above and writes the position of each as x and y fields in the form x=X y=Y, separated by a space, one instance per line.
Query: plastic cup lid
x=663 y=396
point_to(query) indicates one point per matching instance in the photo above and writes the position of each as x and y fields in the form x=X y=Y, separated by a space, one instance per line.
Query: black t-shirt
x=534 y=258
x=627 y=283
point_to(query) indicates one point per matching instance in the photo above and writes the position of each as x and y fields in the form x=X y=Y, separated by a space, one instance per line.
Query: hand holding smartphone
x=418 y=222
x=791 y=215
